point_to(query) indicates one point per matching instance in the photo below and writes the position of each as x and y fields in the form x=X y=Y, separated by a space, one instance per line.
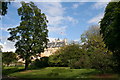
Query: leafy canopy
x=31 y=35
x=110 y=29
x=110 y=26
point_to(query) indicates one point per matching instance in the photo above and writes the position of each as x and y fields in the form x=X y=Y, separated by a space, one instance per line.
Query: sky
x=66 y=19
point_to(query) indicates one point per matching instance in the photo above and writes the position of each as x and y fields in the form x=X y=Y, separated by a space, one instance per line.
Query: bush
x=65 y=56
x=83 y=62
x=9 y=58
x=40 y=63
x=103 y=62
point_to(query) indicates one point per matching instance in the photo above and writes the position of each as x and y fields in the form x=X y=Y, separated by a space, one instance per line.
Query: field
x=55 y=72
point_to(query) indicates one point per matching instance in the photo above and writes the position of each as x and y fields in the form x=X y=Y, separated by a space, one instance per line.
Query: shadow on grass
x=16 y=69
x=92 y=73
x=12 y=70
x=101 y=75
x=36 y=68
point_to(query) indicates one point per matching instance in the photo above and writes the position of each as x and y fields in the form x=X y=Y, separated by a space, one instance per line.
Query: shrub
x=65 y=56
x=83 y=62
x=101 y=61
x=9 y=58
x=40 y=63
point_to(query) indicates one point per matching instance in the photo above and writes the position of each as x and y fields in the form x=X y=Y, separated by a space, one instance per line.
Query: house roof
x=56 y=44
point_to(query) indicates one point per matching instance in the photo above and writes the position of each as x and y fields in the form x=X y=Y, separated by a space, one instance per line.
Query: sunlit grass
x=60 y=72
x=55 y=72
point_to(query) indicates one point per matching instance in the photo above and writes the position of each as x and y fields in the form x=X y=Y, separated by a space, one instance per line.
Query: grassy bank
x=56 y=72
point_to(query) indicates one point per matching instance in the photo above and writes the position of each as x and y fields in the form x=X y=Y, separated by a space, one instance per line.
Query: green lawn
x=59 y=72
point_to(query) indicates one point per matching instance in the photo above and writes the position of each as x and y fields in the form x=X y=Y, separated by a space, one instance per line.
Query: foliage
x=9 y=57
x=92 y=53
x=100 y=56
x=110 y=26
x=3 y=7
x=110 y=29
x=40 y=63
x=31 y=35
x=1 y=48
x=55 y=60
x=66 y=56
x=82 y=63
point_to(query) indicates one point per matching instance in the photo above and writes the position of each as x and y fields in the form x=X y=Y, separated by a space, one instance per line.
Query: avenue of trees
x=31 y=35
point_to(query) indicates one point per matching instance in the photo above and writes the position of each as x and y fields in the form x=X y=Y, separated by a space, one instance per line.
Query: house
x=53 y=46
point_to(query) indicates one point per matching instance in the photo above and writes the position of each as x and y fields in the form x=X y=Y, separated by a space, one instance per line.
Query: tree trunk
x=26 y=64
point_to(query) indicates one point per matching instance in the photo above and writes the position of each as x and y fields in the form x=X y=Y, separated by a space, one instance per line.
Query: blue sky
x=66 y=19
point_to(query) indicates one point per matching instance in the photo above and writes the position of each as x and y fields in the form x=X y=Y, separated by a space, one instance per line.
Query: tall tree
x=110 y=29
x=31 y=35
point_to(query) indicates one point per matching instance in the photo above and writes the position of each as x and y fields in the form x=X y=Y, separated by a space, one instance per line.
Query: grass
x=10 y=70
x=59 y=72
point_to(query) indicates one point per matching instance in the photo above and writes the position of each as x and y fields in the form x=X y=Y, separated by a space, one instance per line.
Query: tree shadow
x=91 y=73
x=10 y=71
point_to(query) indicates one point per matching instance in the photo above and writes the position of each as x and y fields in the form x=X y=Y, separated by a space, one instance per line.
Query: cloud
x=58 y=30
x=53 y=11
x=55 y=14
x=76 y=5
x=76 y=40
x=7 y=45
x=3 y=29
x=17 y=4
x=7 y=26
x=71 y=19
x=55 y=20
x=101 y=0
x=99 y=5
x=96 y=19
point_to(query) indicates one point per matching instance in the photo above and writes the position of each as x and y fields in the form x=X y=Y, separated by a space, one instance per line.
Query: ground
x=54 y=72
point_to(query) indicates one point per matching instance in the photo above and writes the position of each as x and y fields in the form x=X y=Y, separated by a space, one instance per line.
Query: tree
x=3 y=7
x=92 y=39
x=1 y=54
x=31 y=35
x=110 y=29
x=100 y=56
x=1 y=48
x=9 y=57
